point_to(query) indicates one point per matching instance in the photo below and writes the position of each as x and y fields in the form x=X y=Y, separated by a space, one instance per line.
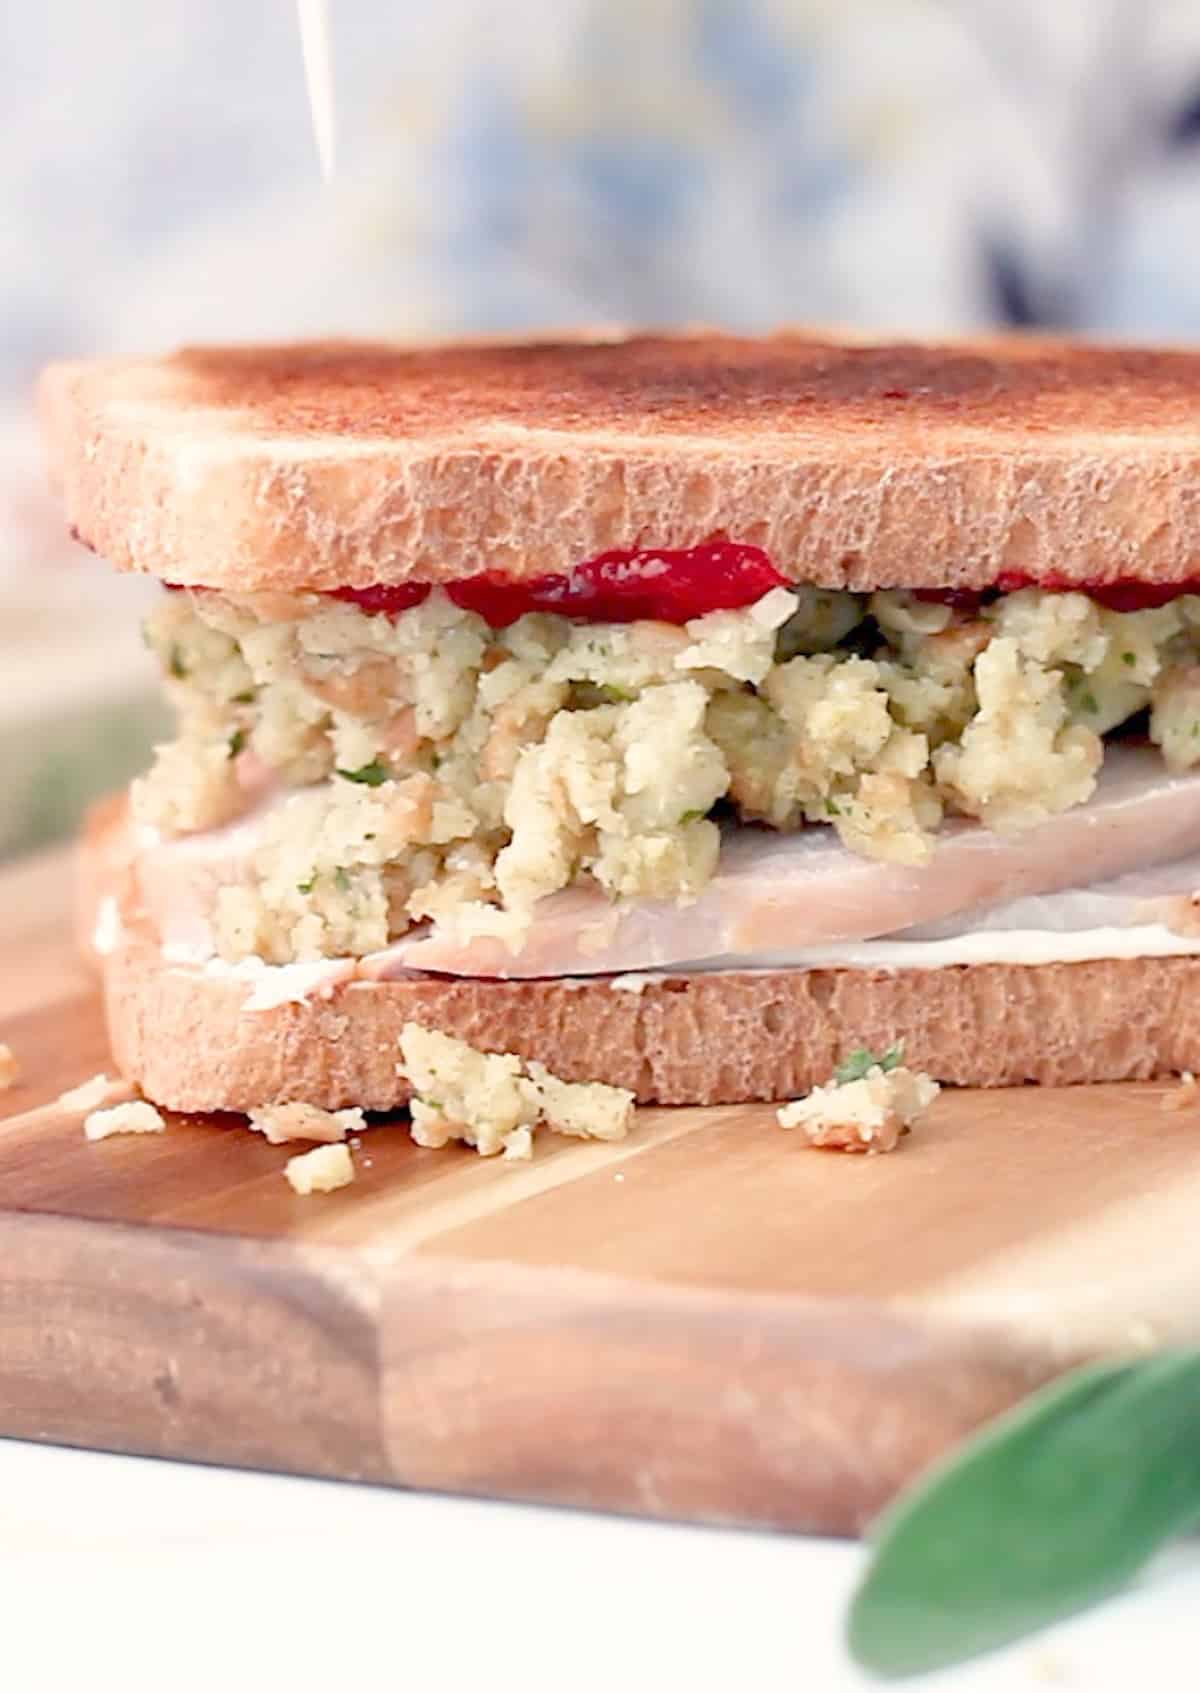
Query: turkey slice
x=776 y=893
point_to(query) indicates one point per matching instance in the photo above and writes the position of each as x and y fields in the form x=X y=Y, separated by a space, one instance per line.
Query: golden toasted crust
x=185 y=1038
x=335 y=464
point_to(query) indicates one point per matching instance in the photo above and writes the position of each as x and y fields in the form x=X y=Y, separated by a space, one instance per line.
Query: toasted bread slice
x=341 y=464
x=184 y=1035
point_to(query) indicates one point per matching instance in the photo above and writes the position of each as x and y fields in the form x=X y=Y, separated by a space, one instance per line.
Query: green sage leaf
x=1047 y=1510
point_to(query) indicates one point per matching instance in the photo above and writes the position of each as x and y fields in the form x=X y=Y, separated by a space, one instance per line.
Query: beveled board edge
x=491 y=1379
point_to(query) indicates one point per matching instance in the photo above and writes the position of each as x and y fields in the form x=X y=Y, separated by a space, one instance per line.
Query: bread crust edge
x=226 y=505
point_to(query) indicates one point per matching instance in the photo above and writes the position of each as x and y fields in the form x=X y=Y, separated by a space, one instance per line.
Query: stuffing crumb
x=1185 y=1096
x=321 y=1170
x=867 y=1113
x=138 y=1117
x=493 y=1101
x=481 y=1098
x=590 y=1109
x=301 y=1121
x=10 y=1070
x=87 y=1096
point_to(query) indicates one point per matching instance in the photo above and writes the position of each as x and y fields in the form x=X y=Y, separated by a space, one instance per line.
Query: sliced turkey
x=776 y=893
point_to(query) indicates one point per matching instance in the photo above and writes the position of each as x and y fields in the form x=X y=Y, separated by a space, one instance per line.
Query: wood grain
x=705 y=1322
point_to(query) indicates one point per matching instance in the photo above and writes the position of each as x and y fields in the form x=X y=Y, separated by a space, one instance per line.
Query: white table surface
x=133 y=1574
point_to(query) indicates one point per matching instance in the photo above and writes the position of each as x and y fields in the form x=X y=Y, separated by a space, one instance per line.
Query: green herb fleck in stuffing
x=372 y=775
x=861 y=1061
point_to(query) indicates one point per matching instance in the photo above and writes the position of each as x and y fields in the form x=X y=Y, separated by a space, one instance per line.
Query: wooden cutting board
x=707 y=1321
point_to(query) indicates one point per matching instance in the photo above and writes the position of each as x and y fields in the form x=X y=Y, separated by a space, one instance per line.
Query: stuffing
x=592 y=1110
x=189 y=787
x=810 y=748
x=96 y=1091
x=867 y=1106
x=494 y=1101
x=890 y=816
x=903 y=616
x=1019 y=759
x=738 y=644
x=1052 y=629
x=136 y=1118
x=518 y=1146
x=930 y=684
x=482 y=1098
x=1175 y=715
x=196 y=650
x=301 y=1121
x=672 y=864
x=562 y=790
x=670 y=771
x=440 y=768
x=329 y=868
x=836 y=710
x=619 y=793
x=607 y=663
x=322 y=1170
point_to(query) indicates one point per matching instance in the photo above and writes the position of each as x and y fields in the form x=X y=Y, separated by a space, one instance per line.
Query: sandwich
x=675 y=712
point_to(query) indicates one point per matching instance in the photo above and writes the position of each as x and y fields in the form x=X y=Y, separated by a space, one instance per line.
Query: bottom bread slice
x=187 y=1040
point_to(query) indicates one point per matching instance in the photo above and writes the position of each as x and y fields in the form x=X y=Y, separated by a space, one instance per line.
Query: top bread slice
x=344 y=464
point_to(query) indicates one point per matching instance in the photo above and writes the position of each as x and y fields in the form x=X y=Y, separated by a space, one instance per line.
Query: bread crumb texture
x=321 y=1170
x=96 y=1091
x=10 y=1069
x=138 y=1117
x=300 y=1121
x=869 y=1114
x=494 y=1101
x=443 y=769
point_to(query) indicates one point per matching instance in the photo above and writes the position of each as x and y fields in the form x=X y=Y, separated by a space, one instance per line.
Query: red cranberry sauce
x=673 y=585
x=392 y=601
x=670 y=586
x=1114 y=596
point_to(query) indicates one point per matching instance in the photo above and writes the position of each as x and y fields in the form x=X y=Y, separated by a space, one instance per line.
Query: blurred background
x=904 y=165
